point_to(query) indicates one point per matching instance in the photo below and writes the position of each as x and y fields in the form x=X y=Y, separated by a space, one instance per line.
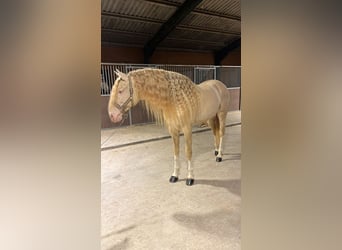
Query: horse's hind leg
x=214 y=124
x=176 y=165
x=222 y=121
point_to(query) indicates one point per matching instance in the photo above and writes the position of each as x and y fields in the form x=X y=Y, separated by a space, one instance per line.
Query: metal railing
x=229 y=75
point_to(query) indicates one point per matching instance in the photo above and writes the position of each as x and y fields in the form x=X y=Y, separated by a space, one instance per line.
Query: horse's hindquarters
x=209 y=104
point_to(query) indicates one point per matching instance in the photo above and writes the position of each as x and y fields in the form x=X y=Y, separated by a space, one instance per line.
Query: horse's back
x=217 y=86
x=211 y=83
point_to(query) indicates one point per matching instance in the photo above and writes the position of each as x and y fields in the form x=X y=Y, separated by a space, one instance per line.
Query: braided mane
x=170 y=97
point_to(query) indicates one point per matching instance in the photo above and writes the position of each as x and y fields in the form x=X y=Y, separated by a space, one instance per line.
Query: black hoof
x=218 y=159
x=189 y=182
x=173 y=179
x=216 y=152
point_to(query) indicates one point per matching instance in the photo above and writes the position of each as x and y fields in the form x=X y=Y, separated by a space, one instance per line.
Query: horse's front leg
x=176 y=165
x=188 y=153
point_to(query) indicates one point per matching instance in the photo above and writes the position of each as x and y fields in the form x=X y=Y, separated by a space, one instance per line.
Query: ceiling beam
x=209 y=30
x=169 y=38
x=196 y=11
x=155 y=21
x=221 y=54
x=119 y=44
x=126 y=32
x=130 y=18
x=216 y=14
x=168 y=26
x=194 y=41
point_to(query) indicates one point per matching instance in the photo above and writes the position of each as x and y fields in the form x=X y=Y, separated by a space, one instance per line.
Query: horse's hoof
x=173 y=179
x=189 y=182
x=218 y=159
x=216 y=152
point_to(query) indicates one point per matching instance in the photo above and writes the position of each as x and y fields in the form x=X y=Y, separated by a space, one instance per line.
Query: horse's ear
x=121 y=75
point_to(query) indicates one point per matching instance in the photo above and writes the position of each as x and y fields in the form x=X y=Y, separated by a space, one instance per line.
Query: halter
x=123 y=108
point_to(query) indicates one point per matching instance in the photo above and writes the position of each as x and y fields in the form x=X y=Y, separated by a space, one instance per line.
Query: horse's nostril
x=114 y=117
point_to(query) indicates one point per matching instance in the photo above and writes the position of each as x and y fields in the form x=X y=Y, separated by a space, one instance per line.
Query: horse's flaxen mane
x=170 y=97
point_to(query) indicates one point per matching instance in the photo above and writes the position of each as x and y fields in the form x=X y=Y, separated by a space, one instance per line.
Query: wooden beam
x=195 y=11
x=169 y=26
x=209 y=30
x=220 y=55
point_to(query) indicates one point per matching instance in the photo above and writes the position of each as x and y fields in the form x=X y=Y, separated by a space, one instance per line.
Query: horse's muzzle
x=115 y=117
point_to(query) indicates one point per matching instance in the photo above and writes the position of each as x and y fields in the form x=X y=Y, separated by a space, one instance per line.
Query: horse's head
x=121 y=97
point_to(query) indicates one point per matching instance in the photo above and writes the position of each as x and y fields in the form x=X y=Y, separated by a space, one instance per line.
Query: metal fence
x=229 y=75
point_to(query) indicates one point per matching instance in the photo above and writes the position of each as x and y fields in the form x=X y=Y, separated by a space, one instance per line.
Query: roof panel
x=200 y=36
x=169 y=43
x=214 y=22
x=226 y=7
x=138 y=9
x=123 y=38
x=127 y=25
x=210 y=27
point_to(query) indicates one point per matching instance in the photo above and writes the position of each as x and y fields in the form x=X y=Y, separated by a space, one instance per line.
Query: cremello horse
x=175 y=101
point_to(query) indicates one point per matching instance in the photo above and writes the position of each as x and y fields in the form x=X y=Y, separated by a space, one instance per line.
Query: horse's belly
x=210 y=99
x=207 y=111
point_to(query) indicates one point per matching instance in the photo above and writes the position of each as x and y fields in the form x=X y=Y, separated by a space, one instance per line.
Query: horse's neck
x=153 y=96
x=148 y=91
x=168 y=99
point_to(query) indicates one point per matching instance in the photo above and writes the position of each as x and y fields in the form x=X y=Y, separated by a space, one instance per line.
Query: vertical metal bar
x=110 y=75
x=240 y=99
x=111 y=82
x=106 y=76
x=130 y=118
x=101 y=79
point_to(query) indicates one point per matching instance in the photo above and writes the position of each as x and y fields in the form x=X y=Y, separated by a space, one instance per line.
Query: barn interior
x=140 y=209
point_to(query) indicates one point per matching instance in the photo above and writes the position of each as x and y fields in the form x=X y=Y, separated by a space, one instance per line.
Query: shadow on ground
x=223 y=223
x=118 y=231
x=122 y=245
x=231 y=157
x=233 y=186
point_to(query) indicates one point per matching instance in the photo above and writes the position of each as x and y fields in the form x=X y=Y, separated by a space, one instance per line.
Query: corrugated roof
x=200 y=21
x=225 y=7
x=210 y=26
x=138 y=8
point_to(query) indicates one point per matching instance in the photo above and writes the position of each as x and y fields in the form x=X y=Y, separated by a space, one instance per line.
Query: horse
x=176 y=102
